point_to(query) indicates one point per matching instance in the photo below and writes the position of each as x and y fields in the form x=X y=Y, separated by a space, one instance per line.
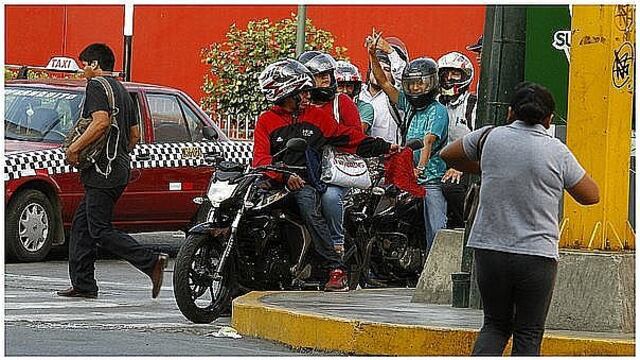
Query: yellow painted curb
x=301 y=329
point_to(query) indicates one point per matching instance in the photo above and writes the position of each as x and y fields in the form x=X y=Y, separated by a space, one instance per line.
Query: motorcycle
x=252 y=239
x=386 y=225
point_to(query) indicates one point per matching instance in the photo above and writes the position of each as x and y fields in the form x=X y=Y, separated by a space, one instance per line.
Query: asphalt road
x=123 y=321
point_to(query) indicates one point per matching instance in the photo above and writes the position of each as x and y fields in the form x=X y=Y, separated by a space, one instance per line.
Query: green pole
x=300 y=36
x=503 y=55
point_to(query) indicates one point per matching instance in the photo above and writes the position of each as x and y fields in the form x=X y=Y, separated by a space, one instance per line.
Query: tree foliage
x=231 y=86
x=31 y=74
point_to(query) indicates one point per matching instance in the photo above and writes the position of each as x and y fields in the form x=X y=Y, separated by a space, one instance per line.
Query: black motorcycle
x=386 y=225
x=252 y=239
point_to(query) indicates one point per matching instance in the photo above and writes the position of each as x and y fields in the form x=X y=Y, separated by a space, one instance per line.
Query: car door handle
x=143 y=156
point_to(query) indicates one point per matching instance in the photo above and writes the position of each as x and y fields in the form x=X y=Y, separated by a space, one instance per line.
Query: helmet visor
x=321 y=63
x=452 y=76
x=417 y=85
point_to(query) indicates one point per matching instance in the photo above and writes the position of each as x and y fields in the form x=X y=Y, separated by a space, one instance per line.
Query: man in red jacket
x=286 y=83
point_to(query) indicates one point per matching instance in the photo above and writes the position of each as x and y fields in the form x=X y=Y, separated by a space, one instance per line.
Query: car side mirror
x=210 y=133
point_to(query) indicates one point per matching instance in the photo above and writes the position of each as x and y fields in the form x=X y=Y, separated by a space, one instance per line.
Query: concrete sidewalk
x=385 y=322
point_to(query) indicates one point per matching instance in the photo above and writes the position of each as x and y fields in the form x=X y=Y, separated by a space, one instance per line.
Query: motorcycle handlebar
x=285 y=169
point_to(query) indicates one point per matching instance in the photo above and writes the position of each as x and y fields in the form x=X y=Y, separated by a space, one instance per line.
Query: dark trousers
x=92 y=227
x=455 y=194
x=308 y=200
x=516 y=292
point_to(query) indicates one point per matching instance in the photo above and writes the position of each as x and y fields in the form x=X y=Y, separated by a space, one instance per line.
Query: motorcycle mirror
x=415 y=144
x=297 y=144
x=210 y=133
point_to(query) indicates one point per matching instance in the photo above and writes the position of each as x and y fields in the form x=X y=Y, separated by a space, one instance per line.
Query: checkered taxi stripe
x=144 y=156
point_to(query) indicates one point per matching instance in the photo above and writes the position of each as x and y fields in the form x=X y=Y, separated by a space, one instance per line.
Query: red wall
x=33 y=34
x=167 y=39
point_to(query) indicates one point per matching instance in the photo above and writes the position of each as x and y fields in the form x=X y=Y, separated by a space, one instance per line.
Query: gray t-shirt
x=524 y=172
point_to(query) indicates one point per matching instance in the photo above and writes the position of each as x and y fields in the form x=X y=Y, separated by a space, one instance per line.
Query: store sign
x=562 y=41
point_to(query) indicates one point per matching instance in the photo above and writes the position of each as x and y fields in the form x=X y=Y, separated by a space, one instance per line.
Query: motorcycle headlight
x=220 y=191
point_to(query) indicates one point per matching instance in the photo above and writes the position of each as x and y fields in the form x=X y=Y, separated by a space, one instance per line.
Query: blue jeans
x=308 y=201
x=435 y=212
x=333 y=211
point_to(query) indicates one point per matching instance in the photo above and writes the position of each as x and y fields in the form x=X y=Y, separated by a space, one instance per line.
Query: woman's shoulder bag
x=472 y=199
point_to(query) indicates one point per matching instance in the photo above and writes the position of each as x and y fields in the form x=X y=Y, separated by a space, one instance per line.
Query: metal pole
x=128 y=39
x=300 y=35
x=503 y=57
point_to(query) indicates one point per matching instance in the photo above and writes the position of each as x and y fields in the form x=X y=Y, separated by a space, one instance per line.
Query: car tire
x=29 y=226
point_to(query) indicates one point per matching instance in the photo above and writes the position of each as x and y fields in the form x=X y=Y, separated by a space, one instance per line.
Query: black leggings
x=516 y=292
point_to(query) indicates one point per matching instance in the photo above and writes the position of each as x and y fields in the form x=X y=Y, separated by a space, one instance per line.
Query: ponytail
x=532 y=103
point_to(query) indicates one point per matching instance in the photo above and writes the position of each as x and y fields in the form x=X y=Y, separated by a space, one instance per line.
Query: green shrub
x=231 y=86
x=31 y=74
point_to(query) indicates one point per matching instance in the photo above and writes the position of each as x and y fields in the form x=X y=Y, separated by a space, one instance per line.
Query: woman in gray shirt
x=515 y=233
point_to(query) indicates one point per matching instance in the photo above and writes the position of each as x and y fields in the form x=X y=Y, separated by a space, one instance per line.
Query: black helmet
x=308 y=55
x=420 y=81
x=318 y=62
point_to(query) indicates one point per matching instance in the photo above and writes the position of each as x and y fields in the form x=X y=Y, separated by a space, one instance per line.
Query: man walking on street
x=105 y=181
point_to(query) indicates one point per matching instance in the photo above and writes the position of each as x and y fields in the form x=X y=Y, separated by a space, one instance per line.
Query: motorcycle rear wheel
x=199 y=297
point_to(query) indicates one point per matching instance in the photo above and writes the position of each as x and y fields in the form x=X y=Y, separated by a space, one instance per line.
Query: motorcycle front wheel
x=199 y=296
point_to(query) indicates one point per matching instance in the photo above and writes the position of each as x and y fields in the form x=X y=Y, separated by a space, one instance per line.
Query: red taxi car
x=42 y=192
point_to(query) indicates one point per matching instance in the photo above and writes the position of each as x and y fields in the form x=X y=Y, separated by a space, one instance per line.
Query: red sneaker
x=338 y=281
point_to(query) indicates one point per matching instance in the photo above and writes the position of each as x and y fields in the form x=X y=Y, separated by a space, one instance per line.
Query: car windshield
x=36 y=114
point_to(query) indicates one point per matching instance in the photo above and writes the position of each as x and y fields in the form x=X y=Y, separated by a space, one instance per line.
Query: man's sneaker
x=338 y=281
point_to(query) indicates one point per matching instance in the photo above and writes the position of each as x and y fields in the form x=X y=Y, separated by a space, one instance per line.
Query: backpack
x=89 y=155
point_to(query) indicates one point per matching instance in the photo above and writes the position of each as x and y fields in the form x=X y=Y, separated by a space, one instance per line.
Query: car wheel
x=29 y=227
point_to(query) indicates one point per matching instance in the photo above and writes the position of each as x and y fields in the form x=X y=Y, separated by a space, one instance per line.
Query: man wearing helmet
x=287 y=83
x=393 y=59
x=344 y=111
x=425 y=119
x=350 y=83
x=456 y=74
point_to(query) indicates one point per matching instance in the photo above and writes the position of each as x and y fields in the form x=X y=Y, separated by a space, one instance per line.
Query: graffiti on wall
x=623 y=56
x=622 y=65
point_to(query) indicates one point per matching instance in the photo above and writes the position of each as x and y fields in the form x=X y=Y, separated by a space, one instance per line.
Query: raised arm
x=379 y=75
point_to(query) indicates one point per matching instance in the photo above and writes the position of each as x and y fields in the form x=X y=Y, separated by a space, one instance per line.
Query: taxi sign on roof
x=62 y=63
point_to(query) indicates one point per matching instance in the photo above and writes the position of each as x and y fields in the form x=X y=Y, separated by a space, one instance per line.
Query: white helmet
x=284 y=78
x=349 y=74
x=458 y=61
x=346 y=71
